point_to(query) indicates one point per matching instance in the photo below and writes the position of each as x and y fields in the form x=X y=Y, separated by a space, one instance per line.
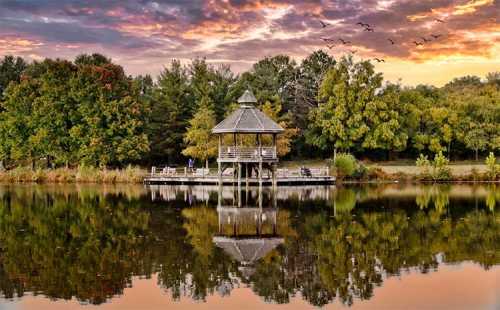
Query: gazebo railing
x=248 y=153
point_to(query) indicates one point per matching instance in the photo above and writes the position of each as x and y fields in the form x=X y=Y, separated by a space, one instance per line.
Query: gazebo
x=243 y=123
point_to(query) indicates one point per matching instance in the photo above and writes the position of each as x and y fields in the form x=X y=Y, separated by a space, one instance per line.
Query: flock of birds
x=331 y=43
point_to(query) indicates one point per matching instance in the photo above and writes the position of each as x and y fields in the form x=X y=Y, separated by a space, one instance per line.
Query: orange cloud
x=468 y=8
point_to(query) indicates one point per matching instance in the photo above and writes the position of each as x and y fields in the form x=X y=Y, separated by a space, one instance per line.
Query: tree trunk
x=32 y=164
x=2 y=165
x=49 y=162
x=206 y=163
x=477 y=155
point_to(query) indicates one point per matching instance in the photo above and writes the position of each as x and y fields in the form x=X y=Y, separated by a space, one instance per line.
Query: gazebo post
x=219 y=164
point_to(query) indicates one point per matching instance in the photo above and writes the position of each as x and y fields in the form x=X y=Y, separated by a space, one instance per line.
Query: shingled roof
x=247 y=119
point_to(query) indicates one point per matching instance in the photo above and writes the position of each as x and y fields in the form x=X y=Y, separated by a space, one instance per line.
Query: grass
x=393 y=170
x=404 y=169
x=74 y=175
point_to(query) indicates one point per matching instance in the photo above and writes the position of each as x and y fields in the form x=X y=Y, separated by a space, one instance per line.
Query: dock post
x=273 y=173
x=246 y=176
x=219 y=174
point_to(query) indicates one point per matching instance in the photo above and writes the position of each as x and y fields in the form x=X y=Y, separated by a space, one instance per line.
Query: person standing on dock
x=190 y=164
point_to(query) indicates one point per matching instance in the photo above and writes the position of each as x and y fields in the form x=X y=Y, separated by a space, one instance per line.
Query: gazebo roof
x=247 y=119
x=248 y=250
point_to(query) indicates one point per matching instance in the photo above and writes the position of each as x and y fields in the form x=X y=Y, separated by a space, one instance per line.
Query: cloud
x=241 y=31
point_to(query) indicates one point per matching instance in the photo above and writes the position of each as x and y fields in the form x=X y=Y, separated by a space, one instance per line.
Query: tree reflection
x=66 y=246
x=88 y=245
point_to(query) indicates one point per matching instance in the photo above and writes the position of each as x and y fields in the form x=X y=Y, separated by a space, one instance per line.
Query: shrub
x=441 y=171
x=436 y=170
x=493 y=167
x=424 y=164
x=345 y=165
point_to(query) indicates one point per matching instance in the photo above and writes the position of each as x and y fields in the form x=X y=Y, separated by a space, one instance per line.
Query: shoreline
x=135 y=175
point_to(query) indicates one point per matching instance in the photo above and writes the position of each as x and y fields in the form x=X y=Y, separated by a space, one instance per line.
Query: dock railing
x=180 y=172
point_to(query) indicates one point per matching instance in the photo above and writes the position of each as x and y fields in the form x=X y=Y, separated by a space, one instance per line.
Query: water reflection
x=325 y=243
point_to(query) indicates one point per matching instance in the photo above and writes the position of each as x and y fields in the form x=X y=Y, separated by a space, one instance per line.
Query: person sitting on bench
x=304 y=171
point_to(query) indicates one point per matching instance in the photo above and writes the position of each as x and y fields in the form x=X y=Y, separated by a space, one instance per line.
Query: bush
x=441 y=170
x=436 y=170
x=424 y=164
x=345 y=165
x=493 y=167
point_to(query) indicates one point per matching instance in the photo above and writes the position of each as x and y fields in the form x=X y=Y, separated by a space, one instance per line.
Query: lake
x=179 y=247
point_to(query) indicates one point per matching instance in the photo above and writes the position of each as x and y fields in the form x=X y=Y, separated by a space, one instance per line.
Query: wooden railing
x=229 y=172
x=248 y=153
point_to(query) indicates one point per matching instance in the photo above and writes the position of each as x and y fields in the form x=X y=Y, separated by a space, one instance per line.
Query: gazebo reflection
x=247 y=232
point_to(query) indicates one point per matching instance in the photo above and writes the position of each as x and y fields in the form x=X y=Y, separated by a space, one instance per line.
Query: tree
x=201 y=144
x=201 y=82
x=271 y=77
x=224 y=89
x=355 y=112
x=171 y=109
x=309 y=76
x=284 y=140
x=110 y=130
x=11 y=69
x=478 y=109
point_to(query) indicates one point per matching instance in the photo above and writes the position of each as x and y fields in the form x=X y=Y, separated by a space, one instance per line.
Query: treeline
x=90 y=112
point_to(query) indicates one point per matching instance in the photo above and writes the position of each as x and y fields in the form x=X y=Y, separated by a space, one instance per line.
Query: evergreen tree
x=11 y=69
x=171 y=111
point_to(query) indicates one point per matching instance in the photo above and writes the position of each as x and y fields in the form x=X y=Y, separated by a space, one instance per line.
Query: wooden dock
x=213 y=180
x=318 y=176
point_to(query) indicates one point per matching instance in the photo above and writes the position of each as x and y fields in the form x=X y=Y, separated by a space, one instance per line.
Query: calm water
x=385 y=247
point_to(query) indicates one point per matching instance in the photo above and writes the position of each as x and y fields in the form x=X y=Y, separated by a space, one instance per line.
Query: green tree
x=200 y=142
x=271 y=77
x=352 y=115
x=309 y=76
x=171 y=109
x=11 y=69
x=110 y=129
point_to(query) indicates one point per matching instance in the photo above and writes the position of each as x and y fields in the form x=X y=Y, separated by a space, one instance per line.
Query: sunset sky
x=144 y=35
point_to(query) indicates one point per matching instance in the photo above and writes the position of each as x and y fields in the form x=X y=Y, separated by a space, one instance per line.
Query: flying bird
x=435 y=36
x=425 y=39
x=328 y=40
x=363 y=24
x=369 y=29
x=418 y=43
x=330 y=46
x=391 y=40
x=344 y=41
x=323 y=24
x=439 y=20
x=353 y=51
x=379 y=59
